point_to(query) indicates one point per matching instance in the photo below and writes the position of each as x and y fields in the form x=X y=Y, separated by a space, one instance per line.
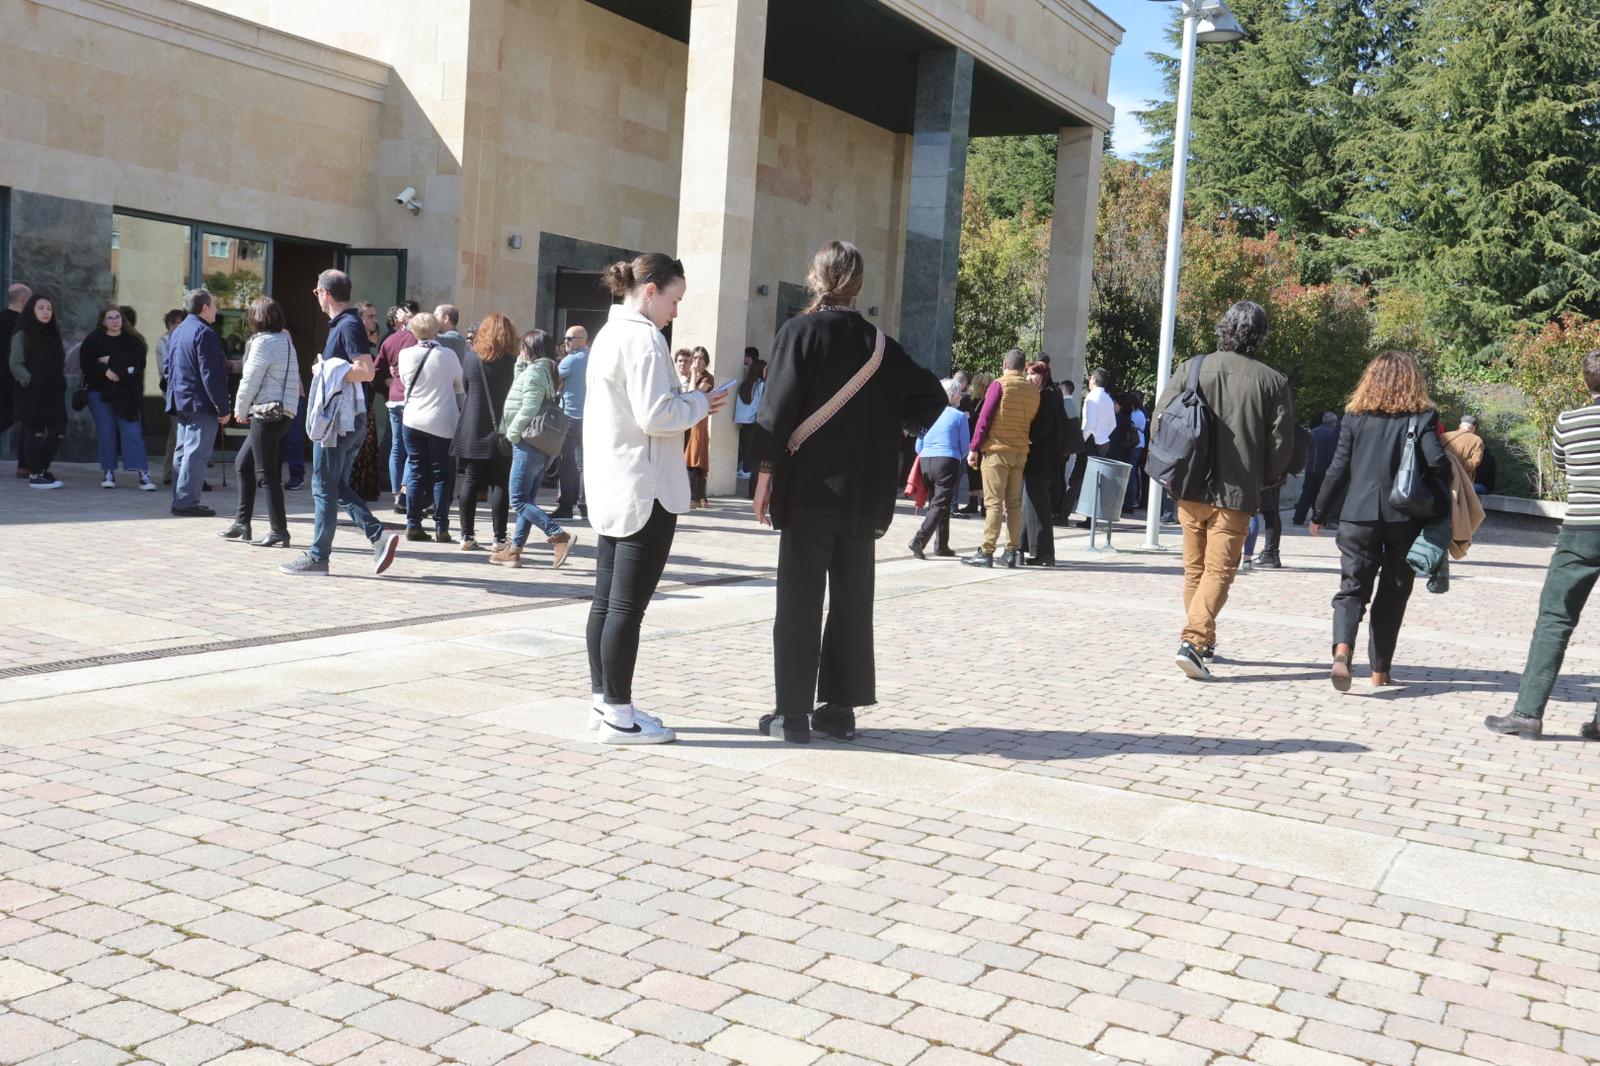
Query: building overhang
x=860 y=56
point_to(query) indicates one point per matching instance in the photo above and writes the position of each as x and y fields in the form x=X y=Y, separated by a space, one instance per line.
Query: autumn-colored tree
x=1546 y=366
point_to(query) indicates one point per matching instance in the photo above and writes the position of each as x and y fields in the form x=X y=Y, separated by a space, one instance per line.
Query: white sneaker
x=597 y=717
x=109 y=481
x=644 y=730
x=1246 y=566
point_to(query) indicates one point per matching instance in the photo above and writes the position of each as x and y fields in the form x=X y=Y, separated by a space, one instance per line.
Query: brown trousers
x=1002 y=495
x=1213 y=541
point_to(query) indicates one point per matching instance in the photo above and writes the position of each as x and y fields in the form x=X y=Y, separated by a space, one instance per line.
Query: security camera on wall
x=408 y=198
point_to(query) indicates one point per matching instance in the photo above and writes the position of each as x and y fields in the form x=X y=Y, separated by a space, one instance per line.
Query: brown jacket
x=1466 y=445
x=1466 y=511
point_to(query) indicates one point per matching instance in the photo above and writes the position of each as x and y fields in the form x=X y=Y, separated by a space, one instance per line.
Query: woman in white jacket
x=633 y=424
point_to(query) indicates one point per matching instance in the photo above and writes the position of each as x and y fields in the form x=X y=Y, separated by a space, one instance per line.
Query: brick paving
x=410 y=853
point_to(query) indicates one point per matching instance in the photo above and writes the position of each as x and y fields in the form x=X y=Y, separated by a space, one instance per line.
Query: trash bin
x=1105 y=486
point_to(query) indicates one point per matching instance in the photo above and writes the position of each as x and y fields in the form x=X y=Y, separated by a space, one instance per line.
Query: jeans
x=833 y=664
x=528 y=465
x=430 y=474
x=1002 y=495
x=330 y=489
x=197 y=437
x=1374 y=553
x=1574 y=568
x=39 y=444
x=1213 y=538
x=1250 y=536
x=491 y=477
x=262 y=452
x=397 y=447
x=112 y=432
x=570 y=473
x=295 y=449
x=627 y=571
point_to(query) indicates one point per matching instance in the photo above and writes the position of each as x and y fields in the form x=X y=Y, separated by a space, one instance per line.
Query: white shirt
x=1099 y=415
x=745 y=413
x=634 y=418
x=431 y=404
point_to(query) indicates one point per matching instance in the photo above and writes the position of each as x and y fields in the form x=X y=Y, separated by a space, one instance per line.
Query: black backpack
x=1182 y=442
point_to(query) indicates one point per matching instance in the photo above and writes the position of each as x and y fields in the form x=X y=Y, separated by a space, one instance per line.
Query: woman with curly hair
x=487 y=371
x=1388 y=412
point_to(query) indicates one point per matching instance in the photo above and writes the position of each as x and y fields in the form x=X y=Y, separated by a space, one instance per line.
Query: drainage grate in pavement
x=316 y=634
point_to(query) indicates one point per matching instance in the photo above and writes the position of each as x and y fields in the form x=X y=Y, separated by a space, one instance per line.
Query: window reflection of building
x=149 y=270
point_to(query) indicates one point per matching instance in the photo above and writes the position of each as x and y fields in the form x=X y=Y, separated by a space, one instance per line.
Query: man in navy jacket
x=197 y=398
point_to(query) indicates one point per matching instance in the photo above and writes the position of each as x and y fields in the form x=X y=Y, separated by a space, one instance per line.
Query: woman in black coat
x=832 y=493
x=1042 y=471
x=38 y=363
x=1388 y=412
x=487 y=371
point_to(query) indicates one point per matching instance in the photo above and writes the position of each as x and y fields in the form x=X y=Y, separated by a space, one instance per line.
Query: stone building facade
x=150 y=145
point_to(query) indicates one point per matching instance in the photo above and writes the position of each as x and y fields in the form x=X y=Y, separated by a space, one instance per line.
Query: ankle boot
x=237 y=531
x=510 y=555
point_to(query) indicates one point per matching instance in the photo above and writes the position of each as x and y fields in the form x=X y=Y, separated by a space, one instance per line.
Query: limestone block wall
x=824 y=174
x=168 y=108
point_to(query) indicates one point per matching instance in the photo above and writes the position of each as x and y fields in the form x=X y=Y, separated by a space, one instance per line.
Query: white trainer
x=645 y=730
x=597 y=717
x=108 y=482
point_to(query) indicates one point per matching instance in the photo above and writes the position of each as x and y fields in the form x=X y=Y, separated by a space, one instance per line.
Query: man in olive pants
x=1574 y=568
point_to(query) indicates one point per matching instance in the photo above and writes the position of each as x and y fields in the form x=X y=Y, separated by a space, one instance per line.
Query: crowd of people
x=825 y=428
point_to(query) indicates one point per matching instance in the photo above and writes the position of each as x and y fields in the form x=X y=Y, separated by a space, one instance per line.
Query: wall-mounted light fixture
x=762 y=290
x=514 y=241
x=873 y=311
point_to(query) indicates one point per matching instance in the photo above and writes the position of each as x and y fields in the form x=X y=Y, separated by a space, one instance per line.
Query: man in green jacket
x=1253 y=415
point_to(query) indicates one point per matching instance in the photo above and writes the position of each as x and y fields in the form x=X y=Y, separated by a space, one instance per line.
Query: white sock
x=618 y=714
x=599 y=702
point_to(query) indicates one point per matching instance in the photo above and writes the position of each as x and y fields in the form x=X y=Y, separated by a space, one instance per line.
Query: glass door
x=376 y=274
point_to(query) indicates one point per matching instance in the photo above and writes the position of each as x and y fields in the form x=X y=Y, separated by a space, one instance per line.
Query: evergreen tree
x=1011 y=174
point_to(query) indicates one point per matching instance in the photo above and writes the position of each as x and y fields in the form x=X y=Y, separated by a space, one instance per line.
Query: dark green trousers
x=1573 y=571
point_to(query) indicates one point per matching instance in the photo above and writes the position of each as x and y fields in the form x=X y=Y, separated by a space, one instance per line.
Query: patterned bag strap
x=821 y=415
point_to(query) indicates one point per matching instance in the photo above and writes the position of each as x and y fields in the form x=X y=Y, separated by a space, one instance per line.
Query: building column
x=933 y=213
x=1072 y=228
x=717 y=198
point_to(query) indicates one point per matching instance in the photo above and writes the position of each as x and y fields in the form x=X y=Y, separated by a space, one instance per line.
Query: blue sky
x=1134 y=79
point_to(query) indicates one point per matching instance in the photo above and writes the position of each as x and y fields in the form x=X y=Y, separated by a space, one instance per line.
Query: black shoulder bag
x=1413 y=492
x=497 y=440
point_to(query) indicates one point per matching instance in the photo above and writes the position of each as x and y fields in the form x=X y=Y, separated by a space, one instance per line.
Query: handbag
x=268 y=413
x=821 y=415
x=548 y=430
x=1413 y=493
x=80 y=397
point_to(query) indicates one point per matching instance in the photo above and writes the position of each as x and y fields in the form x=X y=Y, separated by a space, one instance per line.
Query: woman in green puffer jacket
x=536 y=386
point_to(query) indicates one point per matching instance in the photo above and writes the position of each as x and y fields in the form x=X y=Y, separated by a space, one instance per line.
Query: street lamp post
x=1204 y=22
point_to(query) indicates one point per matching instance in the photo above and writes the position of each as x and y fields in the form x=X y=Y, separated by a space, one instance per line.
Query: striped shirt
x=1577 y=451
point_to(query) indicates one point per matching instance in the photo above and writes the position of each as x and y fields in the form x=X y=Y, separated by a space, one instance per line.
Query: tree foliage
x=999 y=283
x=1547 y=362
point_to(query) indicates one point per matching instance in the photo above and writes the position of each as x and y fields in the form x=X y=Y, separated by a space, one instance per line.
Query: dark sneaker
x=1209 y=653
x=442 y=536
x=561 y=515
x=1516 y=725
x=1191 y=663
x=795 y=730
x=836 y=720
x=1590 y=731
x=383 y=550
x=43 y=481
x=295 y=483
x=916 y=549
x=417 y=533
x=1013 y=558
x=1269 y=561
x=199 y=510
x=399 y=505
x=980 y=558
x=943 y=553
x=304 y=565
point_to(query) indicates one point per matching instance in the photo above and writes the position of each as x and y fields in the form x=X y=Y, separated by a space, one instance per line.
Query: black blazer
x=1356 y=487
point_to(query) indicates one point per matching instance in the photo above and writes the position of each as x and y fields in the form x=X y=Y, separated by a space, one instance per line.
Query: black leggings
x=627 y=571
x=264 y=450
x=489 y=476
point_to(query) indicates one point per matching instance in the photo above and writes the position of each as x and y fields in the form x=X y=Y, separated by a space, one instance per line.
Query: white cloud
x=1129 y=139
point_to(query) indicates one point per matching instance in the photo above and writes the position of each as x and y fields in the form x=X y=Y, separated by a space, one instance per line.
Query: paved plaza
x=248 y=819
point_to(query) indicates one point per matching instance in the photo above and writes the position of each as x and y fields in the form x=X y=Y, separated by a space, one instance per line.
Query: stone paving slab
x=1046 y=846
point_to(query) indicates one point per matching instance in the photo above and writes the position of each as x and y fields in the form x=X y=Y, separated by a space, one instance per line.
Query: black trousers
x=263 y=451
x=488 y=478
x=39 y=444
x=1272 y=519
x=834 y=665
x=942 y=476
x=747 y=433
x=1374 y=553
x=626 y=573
x=569 y=492
x=1038 y=517
x=1308 y=497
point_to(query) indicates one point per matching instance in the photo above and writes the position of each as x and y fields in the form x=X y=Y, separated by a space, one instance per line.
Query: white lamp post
x=1205 y=22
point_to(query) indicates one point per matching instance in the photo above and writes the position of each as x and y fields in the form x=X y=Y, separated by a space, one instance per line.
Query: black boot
x=237 y=531
x=916 y=548
x=275 y=539
x=836 y=720
x=980 y=558
x=1269 y=561
x=1518 y=725
x=795 y=730
x=1013 y=558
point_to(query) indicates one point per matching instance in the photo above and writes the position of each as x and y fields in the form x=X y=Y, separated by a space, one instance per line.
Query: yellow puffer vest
x=1019 y=402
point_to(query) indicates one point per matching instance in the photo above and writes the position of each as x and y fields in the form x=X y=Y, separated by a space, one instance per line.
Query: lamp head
x=1218 y=26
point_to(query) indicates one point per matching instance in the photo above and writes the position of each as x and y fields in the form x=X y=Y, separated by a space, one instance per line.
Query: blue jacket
x=1325 y=440
x=196 y=368
x=948 y=438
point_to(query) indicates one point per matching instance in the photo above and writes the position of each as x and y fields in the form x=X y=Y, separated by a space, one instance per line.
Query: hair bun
x=618 y=278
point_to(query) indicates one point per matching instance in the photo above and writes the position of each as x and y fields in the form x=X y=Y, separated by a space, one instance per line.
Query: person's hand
x=762 y=501
x=972 y=460
x=716 y=403
x=222 y=420
x=1314 y=528
x=111 y=375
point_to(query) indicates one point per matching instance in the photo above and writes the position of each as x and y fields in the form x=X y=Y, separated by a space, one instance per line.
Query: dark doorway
x=295 y=266
x=580 y=301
